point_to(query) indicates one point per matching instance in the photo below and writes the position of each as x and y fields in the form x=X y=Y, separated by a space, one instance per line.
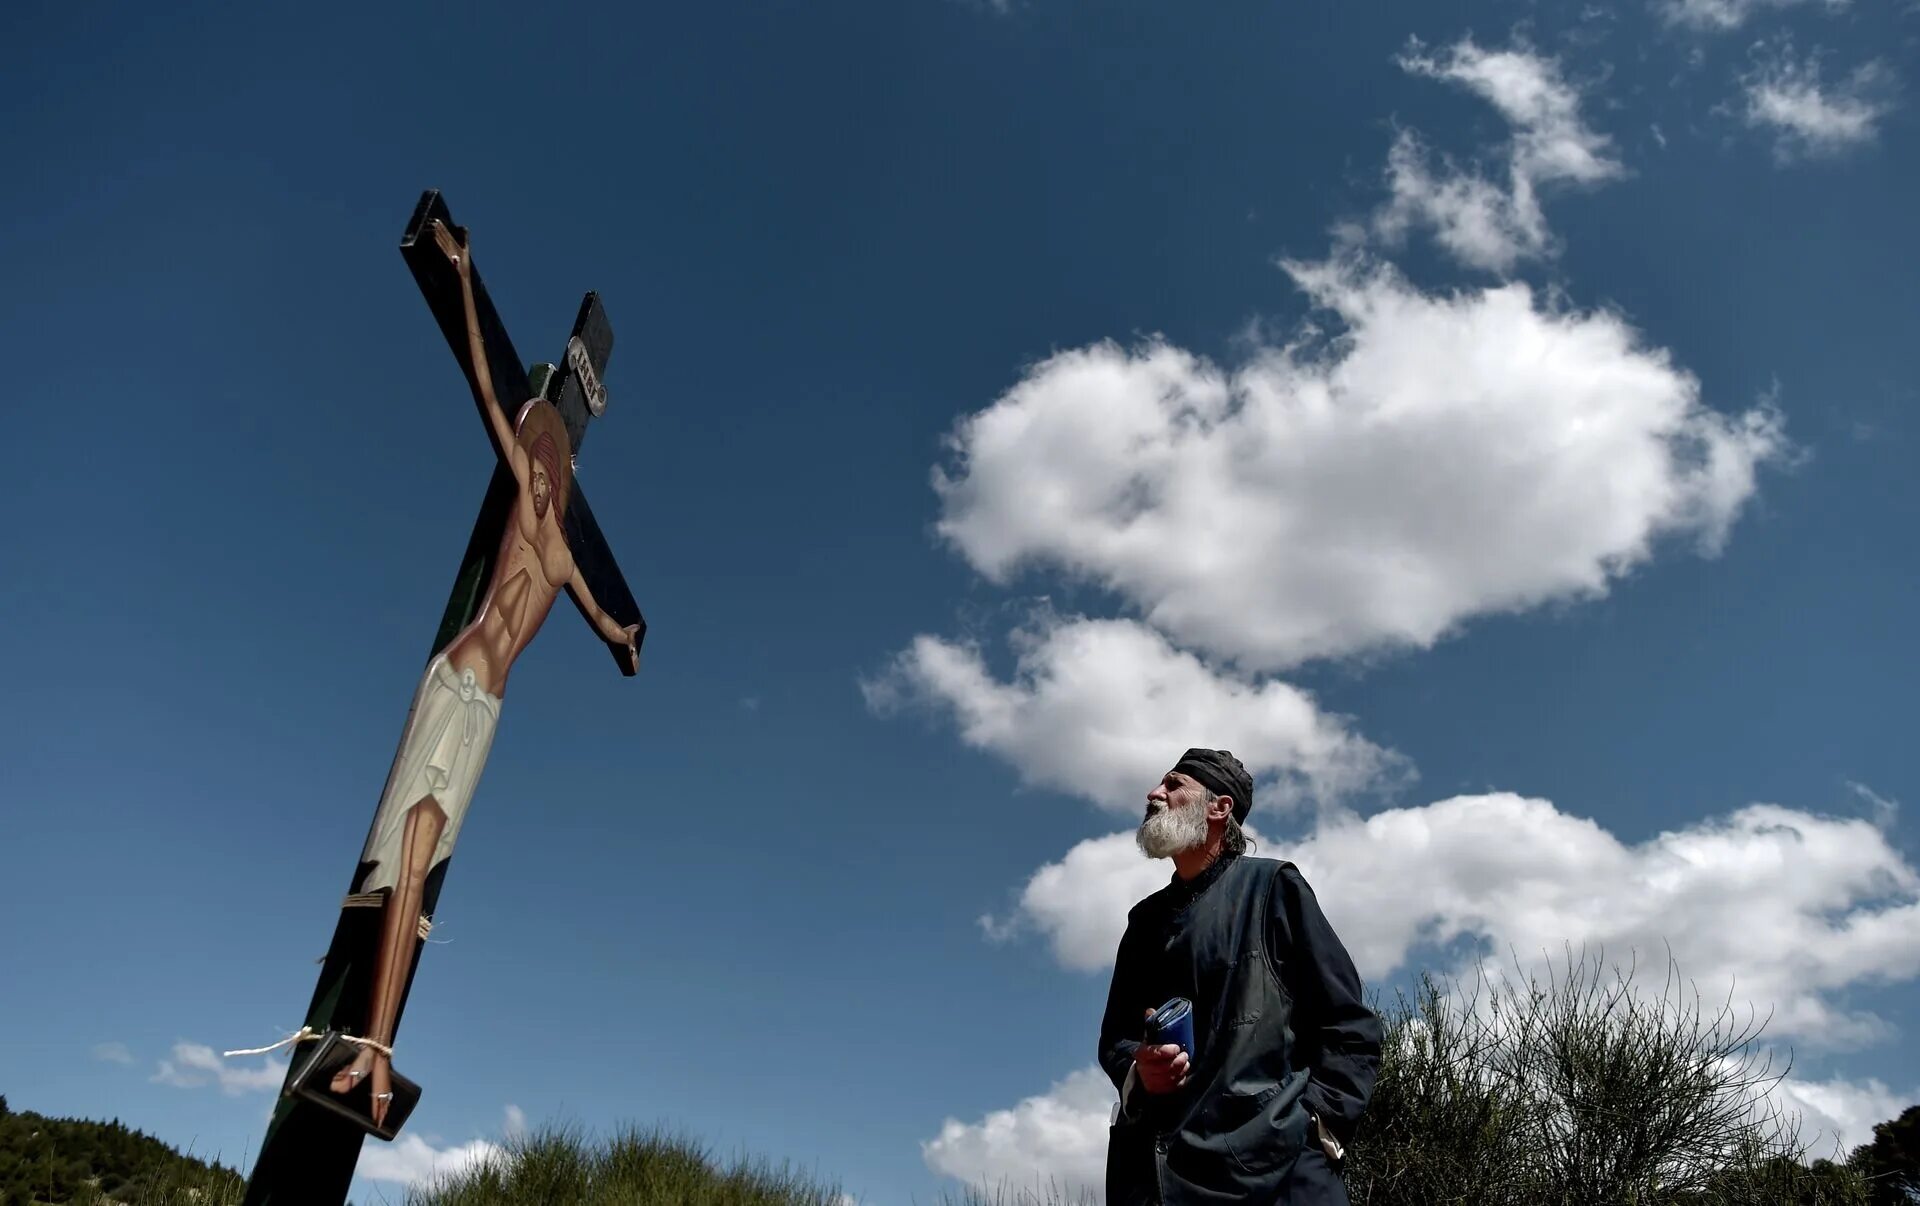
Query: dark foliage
x=62 y=1160
x=1891 y=1163
x=1585 y=1091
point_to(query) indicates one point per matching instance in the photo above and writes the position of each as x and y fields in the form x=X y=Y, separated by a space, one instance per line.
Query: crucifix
x=534 y=538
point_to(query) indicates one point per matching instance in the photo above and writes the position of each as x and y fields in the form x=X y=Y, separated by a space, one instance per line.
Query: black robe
x=1280 y=1034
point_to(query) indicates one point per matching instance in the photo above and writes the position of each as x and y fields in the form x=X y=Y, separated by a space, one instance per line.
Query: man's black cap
x=1223 y=776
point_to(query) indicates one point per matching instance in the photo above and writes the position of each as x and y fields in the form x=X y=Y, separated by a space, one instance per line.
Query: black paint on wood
x=602 y=576
x=593 y=331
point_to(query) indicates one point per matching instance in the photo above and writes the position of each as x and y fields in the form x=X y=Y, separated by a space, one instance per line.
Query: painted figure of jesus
x=457 y=705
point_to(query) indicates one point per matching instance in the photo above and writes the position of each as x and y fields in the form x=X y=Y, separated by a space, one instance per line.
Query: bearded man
x=1284 y=1050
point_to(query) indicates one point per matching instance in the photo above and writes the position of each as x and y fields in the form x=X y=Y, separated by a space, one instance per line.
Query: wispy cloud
x=1723 y=15
x=1884 y=809
x=1786 y=97
x=112 y=1053
x=1494 y=222
x=196 y=1065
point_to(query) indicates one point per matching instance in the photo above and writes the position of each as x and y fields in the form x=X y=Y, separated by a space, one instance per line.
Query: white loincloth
x=441 y=755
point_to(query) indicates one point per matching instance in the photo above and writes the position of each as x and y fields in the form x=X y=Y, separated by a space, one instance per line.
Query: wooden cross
x=535 y=536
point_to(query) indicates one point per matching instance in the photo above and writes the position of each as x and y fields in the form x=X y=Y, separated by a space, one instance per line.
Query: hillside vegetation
x=63 y=1160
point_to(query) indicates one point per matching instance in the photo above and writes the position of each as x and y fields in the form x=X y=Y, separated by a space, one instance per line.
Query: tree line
x=62 y=1160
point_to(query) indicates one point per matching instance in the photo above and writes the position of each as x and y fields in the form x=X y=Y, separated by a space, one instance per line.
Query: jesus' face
x=542 y=489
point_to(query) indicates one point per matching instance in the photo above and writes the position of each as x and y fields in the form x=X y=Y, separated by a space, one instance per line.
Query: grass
x=636 y=1167
x=563 y=1166
x=631 y=1167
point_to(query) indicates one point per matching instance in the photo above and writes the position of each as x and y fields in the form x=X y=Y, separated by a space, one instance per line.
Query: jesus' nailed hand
x=458 y=702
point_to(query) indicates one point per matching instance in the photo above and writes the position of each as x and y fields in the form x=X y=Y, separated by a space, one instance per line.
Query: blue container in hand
x=1172 y=1023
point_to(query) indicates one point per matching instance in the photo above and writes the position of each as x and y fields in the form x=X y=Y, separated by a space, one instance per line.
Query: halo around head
x=542 y=433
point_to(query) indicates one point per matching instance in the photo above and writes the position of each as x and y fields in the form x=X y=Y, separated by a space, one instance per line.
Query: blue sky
x=1495 y=423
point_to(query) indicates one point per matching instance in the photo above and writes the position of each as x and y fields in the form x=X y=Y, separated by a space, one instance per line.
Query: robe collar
x=1183 y=892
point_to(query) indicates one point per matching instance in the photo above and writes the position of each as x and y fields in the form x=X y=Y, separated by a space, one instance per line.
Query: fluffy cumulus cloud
x=1075 y=902
x=1720 y=15
x=1100 y=708
x=1494 y=223
x=1787 y=906
x=1837 y=1114
x=1447 y=455
x=1056 y=1140
x=1806 y=116
x=415 y=1160
x=196 y=1065
x=1079 y=904
x=411 y=1160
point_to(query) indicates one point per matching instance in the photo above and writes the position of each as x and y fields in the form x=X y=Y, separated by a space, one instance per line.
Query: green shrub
x=632 y=1167
x=1580 y=1092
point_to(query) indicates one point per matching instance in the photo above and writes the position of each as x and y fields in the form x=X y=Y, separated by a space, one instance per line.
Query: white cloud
x=1448 y=455
x=1550 y=141
x=1720 y=15
x=1080 y=903
x=1785 y=96
x=1787 y=906
x=1480 y=222
x=1884 y=810
x=1101 y=708
x=1056 y=1140
x=414 y=1160
x=112 y=1053
x=1836 y=1115
x=1485 y=223
x=195 y=1065
x=411 y=1160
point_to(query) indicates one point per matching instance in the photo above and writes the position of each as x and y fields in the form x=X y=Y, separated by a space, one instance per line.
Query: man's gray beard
x=1172 y=831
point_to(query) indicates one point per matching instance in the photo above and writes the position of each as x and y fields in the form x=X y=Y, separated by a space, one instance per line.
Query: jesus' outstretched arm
x=460 y=251
x=625 y=638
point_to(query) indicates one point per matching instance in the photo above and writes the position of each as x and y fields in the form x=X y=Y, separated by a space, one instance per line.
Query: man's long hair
x=1235 y=841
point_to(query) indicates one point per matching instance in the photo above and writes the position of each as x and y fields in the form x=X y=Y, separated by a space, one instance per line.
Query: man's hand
x=1162 y=1069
